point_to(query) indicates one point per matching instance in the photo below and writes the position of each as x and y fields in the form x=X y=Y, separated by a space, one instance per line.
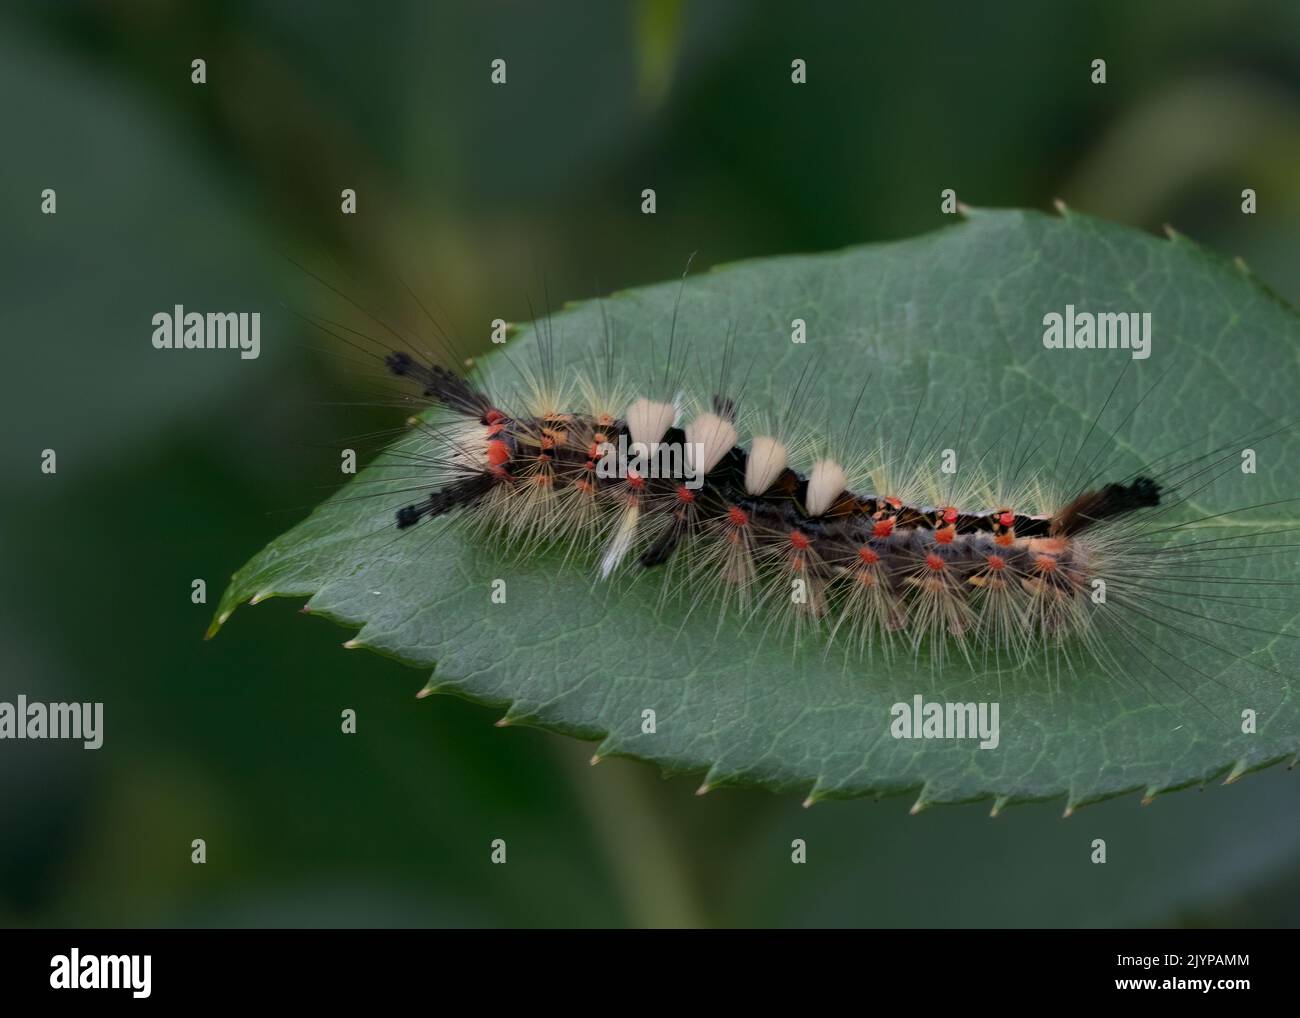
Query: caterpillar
x=726 y=510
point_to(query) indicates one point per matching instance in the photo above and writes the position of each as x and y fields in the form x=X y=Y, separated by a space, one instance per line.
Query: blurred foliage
x=498 y=202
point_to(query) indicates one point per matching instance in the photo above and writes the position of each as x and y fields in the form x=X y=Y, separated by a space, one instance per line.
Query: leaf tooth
x=607 y=747
x=999 y=804
x=1238 y=769
x=1149 y=796
x=429 y=688
x=921 y=801
x=354 y=643
x=1062 y=209
x=1071 y=804
x=261 y=596
x=815 y=794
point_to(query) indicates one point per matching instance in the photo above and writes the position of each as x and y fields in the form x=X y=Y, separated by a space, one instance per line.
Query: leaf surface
x=947 y=320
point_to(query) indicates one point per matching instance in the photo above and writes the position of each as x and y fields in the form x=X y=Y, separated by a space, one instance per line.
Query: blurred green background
x=495 y=200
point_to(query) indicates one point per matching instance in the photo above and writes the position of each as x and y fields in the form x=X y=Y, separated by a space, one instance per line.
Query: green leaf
x=948 y=318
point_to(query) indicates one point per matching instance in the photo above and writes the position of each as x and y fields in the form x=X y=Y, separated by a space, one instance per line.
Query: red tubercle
x=684 y=494
x=950 y=515
x=634 y=480
x=893 y=503
x=883 y=528
x=995 y=562
x=1045 y=564
x=495 y=429
x=1007 y=518
x=493 y=417
x=945 y=535
x=498 y=453
x=867 y=556
x=737 y=516
x=935 y=562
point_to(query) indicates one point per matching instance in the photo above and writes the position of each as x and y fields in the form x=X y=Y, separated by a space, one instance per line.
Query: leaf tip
x=352 y=644
x=260 y=596
x=1238 y=769
x=216 y=624
x=1062 y=209
x=999 y=804
x=595 y=759
x=704 y=789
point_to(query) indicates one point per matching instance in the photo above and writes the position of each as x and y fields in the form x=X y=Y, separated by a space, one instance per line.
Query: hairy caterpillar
x=875 y=553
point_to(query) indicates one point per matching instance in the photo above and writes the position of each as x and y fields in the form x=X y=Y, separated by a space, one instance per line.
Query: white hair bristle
x=767 y=458
x=647 y=421
x=826 y=482
x=708 y=439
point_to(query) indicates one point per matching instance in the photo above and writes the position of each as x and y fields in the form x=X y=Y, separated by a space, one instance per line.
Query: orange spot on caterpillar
x=634 y=480
x=895 y=503
x=737 y=516
x=883 y=528
x=591 y=465
x=1005 y=540
x=934 y=562
x=600 y=438
x=1007 y=518
x=995 y=562
x=684 y=494
x=950 y=515
x=867 y=556
x=799 y=540
x=945 y=535
x=1045 y=564
x=493 y=417
x=497 y=453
